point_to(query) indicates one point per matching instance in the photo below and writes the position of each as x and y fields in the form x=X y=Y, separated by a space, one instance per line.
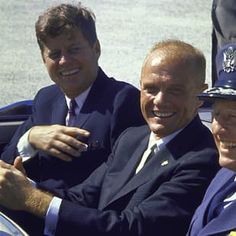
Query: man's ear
x=203 y=87
x=42 y=55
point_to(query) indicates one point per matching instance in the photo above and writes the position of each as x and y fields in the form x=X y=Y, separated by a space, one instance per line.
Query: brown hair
x=65 y=17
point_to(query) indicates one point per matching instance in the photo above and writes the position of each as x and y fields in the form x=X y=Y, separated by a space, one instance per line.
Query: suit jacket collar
x=127 y=183
x=94 y=95
x=226 y=221
x=185 y=141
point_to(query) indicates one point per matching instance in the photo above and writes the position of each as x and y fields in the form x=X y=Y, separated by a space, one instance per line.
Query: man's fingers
x=19 y=165
x=74 y=131
x=70 y=145
x=66 y=152
x=5 y=165
x=59 y=154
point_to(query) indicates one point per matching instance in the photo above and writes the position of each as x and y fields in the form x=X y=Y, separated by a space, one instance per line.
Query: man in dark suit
x=103 y=108
x=216 y=214
x=156 y=174
x=223 y=15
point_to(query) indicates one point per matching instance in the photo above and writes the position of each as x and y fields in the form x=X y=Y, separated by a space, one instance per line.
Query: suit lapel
x=125 y=175
x=225 y=222
x=91 y=104
x=217 y=184
x=146 y=174
x=59 y=110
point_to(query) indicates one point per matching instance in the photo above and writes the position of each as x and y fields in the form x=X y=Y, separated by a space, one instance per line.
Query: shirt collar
x=161 y=142
x=80 y=99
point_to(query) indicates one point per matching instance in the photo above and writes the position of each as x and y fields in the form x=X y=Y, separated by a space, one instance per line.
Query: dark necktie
x=217 y=204
x=146 y=157
x=71 y=112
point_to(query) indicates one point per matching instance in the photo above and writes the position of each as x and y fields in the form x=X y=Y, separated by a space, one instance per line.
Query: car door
x=11 y=117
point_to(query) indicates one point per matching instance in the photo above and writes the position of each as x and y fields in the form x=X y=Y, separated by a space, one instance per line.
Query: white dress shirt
x=160 y=143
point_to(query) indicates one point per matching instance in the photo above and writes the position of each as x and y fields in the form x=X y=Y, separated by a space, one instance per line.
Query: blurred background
x=126 y=30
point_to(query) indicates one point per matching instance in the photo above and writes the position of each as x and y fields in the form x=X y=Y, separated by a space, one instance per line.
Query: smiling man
x=156 y=174
x=216 y=214
x=76 y=121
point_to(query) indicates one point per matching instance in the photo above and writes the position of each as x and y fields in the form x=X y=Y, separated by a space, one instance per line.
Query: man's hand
x=58 y=140
x=14 y=187
x=17 y=193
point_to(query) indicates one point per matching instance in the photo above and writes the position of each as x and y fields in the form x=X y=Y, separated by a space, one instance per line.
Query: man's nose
x=222 y=122
x=65 y=57
x=159 y=97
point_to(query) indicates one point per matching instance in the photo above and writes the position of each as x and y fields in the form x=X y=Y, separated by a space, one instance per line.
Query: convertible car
x=11 y=117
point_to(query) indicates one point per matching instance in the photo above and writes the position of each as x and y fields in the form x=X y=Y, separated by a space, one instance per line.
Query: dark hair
x=65 y=17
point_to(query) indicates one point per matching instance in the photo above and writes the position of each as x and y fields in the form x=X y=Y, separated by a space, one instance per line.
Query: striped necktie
x=71 y=112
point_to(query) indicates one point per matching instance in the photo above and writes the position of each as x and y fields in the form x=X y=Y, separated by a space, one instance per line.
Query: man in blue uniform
x=216 y=214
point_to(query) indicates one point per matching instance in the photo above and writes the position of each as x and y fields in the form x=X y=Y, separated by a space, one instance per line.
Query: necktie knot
x=146 y=156
x=153 y=149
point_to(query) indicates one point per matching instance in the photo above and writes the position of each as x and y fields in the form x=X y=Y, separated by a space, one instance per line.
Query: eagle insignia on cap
x=229 y=60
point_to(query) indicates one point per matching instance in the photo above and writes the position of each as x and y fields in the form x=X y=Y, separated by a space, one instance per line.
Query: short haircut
x=192 y=57
x=63 y=18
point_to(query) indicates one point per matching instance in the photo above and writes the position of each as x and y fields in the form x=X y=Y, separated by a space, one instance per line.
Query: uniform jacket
x=111 y=107
x=226 y=221
x=158 y=200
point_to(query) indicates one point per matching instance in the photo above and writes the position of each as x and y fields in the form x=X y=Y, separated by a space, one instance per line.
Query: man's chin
x=227 y=163
x=157 y=129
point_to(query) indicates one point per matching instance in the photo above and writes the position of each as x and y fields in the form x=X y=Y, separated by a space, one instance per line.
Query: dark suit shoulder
x=134 y=134
x=112 y=86
x=48 y=92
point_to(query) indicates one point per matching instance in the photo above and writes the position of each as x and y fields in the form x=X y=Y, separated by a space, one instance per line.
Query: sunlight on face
x=224 y=131
x=168 y=94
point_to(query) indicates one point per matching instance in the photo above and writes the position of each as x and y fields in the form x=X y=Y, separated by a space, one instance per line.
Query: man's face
x=168 y=94
x=224 y=131
x=71 y=61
